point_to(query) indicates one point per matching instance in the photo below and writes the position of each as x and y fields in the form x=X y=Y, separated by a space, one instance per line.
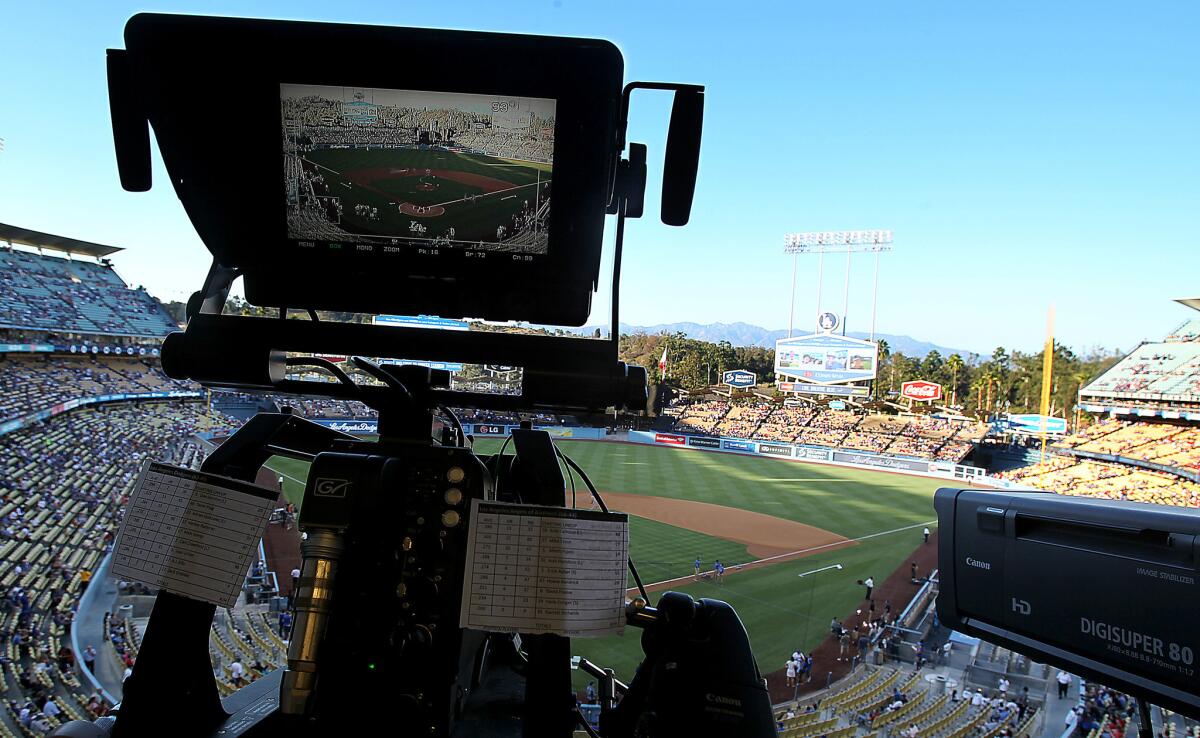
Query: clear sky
x=1023 y=153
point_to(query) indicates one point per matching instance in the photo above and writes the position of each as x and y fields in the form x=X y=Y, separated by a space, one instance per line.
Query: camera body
x=390 y=607
x=1094 y=586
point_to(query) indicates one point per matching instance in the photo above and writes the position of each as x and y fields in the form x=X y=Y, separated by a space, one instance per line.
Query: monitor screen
x=407 y=171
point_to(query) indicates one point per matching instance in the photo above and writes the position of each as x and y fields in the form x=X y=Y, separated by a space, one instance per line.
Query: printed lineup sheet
x=539 y=569
x=191 y=533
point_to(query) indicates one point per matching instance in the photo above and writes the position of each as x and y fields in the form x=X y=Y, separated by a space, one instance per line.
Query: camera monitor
x=381 y=170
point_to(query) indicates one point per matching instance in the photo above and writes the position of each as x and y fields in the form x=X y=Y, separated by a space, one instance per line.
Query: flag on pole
x=662 y=364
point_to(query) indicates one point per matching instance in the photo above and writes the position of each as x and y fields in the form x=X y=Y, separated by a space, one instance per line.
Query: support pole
x=792 y=302
x=1145 y=722
x=875 y=294
x=820 y=279
x=846 y=290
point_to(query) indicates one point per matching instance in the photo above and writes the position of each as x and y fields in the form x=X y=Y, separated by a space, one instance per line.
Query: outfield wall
x=819 y=455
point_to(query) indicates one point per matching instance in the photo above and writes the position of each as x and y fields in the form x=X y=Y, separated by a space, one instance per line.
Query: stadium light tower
x=835 y=242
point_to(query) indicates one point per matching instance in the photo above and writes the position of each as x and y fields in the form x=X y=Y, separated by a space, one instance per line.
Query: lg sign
x=922 y=391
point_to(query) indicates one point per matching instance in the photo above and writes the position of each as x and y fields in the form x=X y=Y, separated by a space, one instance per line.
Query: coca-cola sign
x=921 y=391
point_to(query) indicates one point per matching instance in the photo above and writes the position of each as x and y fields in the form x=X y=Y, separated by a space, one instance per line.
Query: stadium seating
x=55 y=294
x=30 y=383
x=1160 y=443
x=783 y=423
x=702 y=417
x=62 y=484
x=1090 y=478
x=743 y=419
x=917 y=436
x=870 y=701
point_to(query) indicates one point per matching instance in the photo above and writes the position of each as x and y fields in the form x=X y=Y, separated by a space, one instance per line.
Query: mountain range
x=745 y=334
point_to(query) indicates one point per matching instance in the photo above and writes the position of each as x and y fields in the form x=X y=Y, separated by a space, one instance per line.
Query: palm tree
x=954 y=363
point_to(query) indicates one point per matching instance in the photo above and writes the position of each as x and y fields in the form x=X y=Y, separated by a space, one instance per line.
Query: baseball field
x=403 y=191
x=788 y=517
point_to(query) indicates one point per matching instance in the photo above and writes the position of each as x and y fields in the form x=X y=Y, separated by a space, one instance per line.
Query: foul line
x=735 y=567
x=493 y=192
x=300 y=482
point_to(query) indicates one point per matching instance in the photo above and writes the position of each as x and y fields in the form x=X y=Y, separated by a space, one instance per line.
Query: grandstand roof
x=28 y=237
x=1192 y=302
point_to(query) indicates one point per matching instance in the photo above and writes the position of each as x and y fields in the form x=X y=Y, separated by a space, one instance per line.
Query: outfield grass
x=781 y=611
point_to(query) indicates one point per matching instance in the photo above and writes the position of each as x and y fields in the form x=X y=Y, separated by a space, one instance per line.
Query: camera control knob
x=453 y=496
x=451 y=518
x=455 y=474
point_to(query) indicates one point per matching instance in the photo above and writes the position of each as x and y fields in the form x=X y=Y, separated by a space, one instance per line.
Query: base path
x=768 y=539
x=282 y=546
x=763 y=535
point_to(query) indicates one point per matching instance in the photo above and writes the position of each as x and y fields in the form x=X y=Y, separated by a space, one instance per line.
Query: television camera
x=1097 y=587
x=400 y=170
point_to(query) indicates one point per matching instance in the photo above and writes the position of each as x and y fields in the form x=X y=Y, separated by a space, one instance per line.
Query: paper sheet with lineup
x=191 y=533
x=539 y=569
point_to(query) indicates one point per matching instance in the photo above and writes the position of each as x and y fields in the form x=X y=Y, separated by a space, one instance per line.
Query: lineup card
x=191 y=533
x=540 y=569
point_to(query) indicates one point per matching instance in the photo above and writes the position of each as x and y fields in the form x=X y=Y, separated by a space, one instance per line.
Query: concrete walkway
x=89 y=631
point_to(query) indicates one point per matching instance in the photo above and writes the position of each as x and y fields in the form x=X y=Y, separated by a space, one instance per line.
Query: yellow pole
x=1047 y=370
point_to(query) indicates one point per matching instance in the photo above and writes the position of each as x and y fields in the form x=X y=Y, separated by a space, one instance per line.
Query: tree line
x=977 y=386
x=1005 y=382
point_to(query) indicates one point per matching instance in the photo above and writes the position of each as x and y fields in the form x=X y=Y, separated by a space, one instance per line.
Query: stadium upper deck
x=1158 y=378
x=51 y=293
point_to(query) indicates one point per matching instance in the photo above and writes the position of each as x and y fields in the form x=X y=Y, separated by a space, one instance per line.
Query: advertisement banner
x=670 y=439
x=1032 y=423
x=25 y=348
x=422 y=321
x=703 y=442
x=921 y=391
x=348 y=425
x=739 y=378
x=801 y=388
x=883 y=462
x=775 y=449
x=449 y=366
x=825 y=358
x=485 y=429
x=732 y=444
x=812 y=454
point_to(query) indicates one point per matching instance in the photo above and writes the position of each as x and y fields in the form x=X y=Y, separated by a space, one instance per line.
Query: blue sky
x=1023 y=153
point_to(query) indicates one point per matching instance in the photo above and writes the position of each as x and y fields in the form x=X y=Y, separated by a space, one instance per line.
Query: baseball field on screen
x=438 y=190
x=881 y=514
